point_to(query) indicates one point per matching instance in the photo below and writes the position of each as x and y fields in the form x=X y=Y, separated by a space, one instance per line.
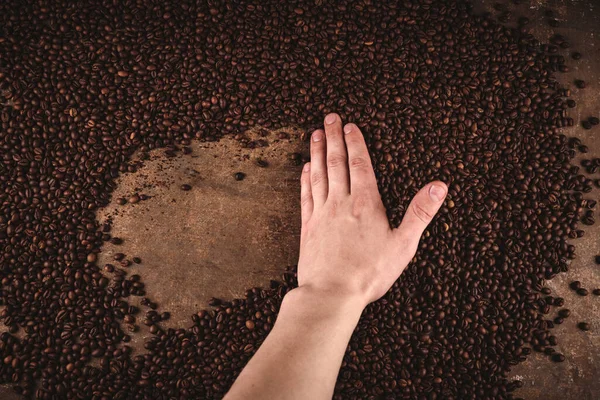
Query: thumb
x=420 y=212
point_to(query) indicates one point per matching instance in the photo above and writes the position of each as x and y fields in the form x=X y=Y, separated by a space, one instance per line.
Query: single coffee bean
x=586 y=125
x=584 y=326
x=564 y=313
x=575 y=285
x=576 y=55
x=239 y=176
x=116 y=240
x=121 y=201
x=594 y=120
x=134 y=199
x=582 y=292
x=580 y=83
x=136 y=260
x=596 y=292
x=557 y=357
x=118 y=256
x=186 y=187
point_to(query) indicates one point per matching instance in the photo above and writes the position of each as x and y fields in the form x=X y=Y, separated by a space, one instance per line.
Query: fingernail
x=347 y=129
x=317 y=136
x=306 y=167
x=330 y=119
x=437 y=193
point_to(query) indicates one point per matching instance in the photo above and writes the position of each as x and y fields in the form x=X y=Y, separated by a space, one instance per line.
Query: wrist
x=318 y=303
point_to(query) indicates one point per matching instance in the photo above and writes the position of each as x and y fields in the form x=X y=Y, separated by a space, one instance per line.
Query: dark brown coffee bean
x=576 y=55
x=580 y=83
x=586 y=125
x=239 y=176
x=557 y=357
x=136 y=260
x=575 y=285
x=584 y=326
x=186 y=187
x=116 y=240
x=582 y=292
x=596 y=292
x=594 y=120
x=564 y=313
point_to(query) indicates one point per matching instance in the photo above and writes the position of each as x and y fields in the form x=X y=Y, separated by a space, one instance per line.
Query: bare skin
x=349 y=257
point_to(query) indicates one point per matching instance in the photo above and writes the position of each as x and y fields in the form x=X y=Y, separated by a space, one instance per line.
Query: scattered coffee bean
x=186 y=187
x=584 y=326
x=239 y=176
x=134 y=199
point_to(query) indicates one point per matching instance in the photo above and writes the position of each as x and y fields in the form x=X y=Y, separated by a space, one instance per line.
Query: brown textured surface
x=224 y=236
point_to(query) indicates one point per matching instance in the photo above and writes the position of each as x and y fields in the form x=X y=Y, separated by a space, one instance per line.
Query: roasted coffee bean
x=134 y=199
x=118 y=256
x=584 y=326
x=594 y=120
x=596 y=292
x=186 y=187
x=576 y=55
x=239 y=176
x=580 y=83
x=557 y=357
x=116 y=240
x=564 y=313
x=586 y=125
x=121 y=201
x=582 y=292
x=136 y=260
x=575 y=285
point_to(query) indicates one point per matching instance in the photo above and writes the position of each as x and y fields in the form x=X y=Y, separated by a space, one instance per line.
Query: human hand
x=347 y=247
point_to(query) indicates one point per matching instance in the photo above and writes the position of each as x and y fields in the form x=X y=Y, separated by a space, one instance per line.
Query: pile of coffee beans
x=439 y=92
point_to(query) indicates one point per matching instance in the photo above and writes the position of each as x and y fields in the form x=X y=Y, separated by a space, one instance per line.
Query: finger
x=306 y=200
x=419 y=214
x=337 y=156
x=318 y=168
x=362 y=176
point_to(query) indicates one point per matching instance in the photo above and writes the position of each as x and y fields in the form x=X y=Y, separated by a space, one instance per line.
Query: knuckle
x=335 y=160
x=421 y=213
x=317 y=178
x=305 y=199
x=359 y=163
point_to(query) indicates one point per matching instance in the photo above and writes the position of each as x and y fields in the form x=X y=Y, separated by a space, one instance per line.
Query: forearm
x=301 y=357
